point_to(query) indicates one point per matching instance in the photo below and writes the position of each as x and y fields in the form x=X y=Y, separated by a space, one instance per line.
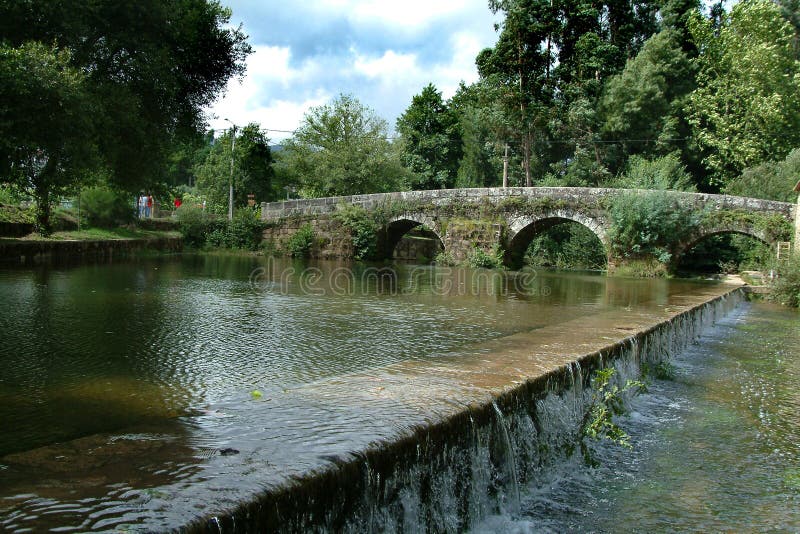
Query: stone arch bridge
x=509 y=218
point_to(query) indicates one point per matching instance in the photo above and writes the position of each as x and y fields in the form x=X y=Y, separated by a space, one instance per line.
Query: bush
x=363 y=229
x=666 y=172
x=480 y=259
x=650 y=224
x=195 y=225
x=10 y=196
x=105 y=208
x=301 y=243
x=245 y=231
x=17 y=214
x=786 y=288
x=444 y=259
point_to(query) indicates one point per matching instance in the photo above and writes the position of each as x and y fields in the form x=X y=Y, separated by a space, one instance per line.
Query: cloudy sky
x=381 y=51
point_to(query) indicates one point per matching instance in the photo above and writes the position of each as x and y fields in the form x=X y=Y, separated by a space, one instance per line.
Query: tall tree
x=746 y=108
x=521 y=64
x=480 y=165
x=342 y=148
x=642 y=108
x=253 y=172
x=151 y=66
x=431 y=140
x=43 y=103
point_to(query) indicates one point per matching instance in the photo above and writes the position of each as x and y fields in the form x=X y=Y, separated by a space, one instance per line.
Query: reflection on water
x=716 y=450
x=121 y=384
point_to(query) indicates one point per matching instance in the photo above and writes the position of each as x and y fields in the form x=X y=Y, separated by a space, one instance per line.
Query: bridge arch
x=400 y=225
x=523 y=229
x=695 y=239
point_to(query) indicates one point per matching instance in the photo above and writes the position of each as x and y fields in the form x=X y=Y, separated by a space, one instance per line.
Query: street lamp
x=230 y=182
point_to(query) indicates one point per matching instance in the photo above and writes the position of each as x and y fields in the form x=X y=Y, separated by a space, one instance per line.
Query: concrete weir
x=472 y=428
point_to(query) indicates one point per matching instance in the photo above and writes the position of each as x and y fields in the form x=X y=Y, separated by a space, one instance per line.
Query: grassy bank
x=98 y=234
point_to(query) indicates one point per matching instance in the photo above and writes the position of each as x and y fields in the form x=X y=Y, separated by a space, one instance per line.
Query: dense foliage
x=301 y=242
x=583 y=93
x=566 y=246
x=363 y=229
x=786 y=289
x=201 y=229
x=650 y=224
x=431 y=141
x=249 y=168
x=105 y=208
x=342 y=148
x=106 y=86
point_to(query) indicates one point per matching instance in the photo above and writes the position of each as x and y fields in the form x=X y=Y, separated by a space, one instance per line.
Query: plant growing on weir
x=662 y=370
x=607 y=401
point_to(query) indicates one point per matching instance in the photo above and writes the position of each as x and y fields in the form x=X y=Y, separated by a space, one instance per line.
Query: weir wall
x=25 y=252
x=518 y=411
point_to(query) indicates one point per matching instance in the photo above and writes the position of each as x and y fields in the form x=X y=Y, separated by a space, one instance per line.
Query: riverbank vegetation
x=786 y=288
x=105 y=92
x=102 y=234
x=204 y=230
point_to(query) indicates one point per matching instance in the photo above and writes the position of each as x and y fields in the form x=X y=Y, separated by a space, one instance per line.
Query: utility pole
x=230 y=181
x=797 y=222
x=505 y=168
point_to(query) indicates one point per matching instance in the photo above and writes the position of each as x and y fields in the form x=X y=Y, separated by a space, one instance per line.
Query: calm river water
x=132 y=395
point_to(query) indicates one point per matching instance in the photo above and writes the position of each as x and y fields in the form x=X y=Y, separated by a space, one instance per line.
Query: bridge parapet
x=318 y=206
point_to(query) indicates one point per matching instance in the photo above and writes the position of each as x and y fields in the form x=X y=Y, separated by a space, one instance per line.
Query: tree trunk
x=526 y=162
x=43 y=224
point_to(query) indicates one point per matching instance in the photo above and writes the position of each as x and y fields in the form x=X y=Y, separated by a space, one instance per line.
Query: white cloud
x=249 y=100
x=386 y=54
x=466 y=46
x=390 y=65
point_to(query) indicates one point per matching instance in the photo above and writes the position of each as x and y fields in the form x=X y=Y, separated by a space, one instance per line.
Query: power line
x=554 y=141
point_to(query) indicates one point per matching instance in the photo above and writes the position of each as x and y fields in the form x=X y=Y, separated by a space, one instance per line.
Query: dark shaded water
x=717 y=449
x=123 y=387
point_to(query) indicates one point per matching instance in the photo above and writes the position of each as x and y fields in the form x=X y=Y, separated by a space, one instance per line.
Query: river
x=133 y=395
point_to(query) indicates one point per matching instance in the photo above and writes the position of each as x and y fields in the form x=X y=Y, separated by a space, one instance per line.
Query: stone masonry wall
x=332 y=240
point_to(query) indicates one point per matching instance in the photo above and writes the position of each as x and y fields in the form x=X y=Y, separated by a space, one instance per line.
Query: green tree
x=520 y=65
x=253 y=172
x=773 y=180
x=150 y=68
x=484 y=134
x=642 y=108
x=431 y=140
x=746 y=108
x=663 y=173
x=342 y=148
x=43 y=102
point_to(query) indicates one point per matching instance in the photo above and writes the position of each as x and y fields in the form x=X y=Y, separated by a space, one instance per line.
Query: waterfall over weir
x=484 y=440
